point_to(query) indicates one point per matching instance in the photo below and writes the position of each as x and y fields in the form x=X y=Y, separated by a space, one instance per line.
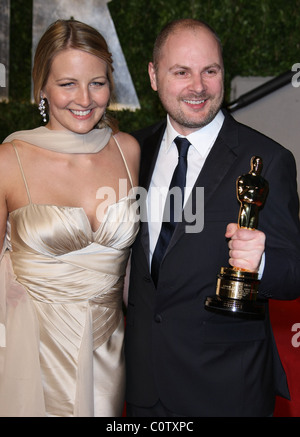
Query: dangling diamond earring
x=42 y=107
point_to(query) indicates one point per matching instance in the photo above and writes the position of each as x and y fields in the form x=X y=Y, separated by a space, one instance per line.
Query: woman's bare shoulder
x=129 y=145
x=131 y=150
x=7 y=155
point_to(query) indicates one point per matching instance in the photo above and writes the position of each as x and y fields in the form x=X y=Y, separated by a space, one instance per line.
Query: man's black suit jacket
x=196 y=362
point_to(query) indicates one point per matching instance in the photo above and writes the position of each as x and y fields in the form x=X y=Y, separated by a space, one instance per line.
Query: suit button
x=158 y=318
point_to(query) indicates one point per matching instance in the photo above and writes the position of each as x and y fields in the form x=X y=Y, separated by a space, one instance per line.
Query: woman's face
x=77 y=91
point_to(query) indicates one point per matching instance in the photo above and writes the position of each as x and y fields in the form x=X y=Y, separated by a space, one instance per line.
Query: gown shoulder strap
x=22 y=171
x=124 y=160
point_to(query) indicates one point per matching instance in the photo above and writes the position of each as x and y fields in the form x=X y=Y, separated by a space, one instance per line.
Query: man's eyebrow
x=185 y=67
x=214 y=65
x=176 y=66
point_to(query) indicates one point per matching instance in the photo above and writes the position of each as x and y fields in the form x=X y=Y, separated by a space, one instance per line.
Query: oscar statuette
x=237 y=289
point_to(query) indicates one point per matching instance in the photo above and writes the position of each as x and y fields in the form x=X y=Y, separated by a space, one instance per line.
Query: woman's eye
x=67 y=84
x=98 y=84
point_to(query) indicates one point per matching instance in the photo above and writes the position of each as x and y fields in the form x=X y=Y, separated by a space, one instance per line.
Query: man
x=183 y=360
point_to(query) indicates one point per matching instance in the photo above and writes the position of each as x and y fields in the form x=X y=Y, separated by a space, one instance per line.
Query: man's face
x=189 y=78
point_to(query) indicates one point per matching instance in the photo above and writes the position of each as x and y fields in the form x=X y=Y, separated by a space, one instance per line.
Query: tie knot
x=183 y=146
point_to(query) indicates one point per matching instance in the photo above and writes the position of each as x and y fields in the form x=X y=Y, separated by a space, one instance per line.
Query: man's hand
x=246 y=247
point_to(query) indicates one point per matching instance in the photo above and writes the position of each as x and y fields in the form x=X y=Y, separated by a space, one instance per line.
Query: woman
x=67 y=221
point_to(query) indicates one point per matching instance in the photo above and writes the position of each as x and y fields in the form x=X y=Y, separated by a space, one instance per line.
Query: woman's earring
x=42 y=109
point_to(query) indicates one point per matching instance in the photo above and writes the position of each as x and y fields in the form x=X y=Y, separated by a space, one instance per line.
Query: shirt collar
x=202 y=139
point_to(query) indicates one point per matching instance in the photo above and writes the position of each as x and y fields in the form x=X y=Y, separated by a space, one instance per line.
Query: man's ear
x=152 y=75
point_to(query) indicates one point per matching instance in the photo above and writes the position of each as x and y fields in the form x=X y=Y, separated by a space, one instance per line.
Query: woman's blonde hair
x=65 y=34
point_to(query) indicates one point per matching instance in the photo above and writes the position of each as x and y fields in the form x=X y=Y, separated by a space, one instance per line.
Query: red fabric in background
x=285 y=319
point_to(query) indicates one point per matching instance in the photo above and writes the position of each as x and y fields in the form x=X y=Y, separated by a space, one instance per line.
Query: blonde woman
x=67 y=221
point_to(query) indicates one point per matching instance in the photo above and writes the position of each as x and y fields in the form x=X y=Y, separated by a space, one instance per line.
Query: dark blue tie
x=173 y=209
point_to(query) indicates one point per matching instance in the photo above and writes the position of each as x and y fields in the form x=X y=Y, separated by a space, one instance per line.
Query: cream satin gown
x=62 y=352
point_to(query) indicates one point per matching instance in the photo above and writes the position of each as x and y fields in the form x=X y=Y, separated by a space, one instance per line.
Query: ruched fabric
x=62 y=351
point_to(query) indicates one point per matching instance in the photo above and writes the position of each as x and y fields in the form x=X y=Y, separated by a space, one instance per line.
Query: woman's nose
x=83 y=97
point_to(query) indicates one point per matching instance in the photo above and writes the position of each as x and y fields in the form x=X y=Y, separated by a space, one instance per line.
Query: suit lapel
x=149 y=154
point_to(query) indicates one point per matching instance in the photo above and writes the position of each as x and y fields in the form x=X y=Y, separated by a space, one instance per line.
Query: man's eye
x=211 y=71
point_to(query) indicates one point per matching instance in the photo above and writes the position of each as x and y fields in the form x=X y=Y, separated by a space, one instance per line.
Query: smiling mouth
x=194 y=102
x=81 y=113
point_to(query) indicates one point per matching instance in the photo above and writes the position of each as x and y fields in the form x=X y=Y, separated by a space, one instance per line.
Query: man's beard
x=183 y=120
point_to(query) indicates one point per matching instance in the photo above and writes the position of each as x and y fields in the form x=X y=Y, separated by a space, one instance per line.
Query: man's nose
x=198 y=83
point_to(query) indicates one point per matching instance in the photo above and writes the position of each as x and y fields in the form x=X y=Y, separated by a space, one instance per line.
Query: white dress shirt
x=201 y=143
